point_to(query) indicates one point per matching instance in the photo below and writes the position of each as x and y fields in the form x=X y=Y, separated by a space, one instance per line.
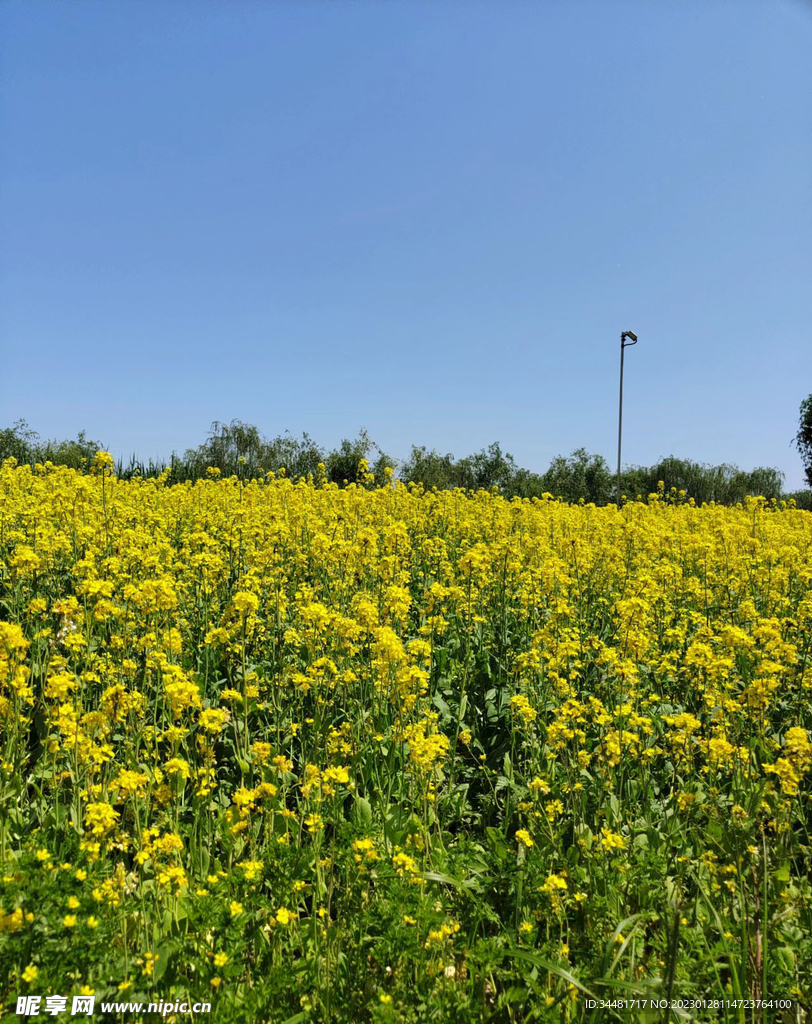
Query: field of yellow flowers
x=323 y=754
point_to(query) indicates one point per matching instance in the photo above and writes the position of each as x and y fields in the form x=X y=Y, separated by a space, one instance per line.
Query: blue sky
x=432 y=220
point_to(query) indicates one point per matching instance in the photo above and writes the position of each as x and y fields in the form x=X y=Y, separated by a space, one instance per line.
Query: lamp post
x=623 y=344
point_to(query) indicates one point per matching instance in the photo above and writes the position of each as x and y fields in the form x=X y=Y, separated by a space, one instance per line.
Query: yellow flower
x=404 y=864
x=538 y=785
x=555 y=888
x=251 y=869
x=521 y=706
x=177 y=766
x=445 y=931
x=336 y=775
x=100 y=818
x=143 y=610
x=30 y=973
x=611 y=840
x=214 y=719
x=364 y=850
x=245 y=603
x=102 y=461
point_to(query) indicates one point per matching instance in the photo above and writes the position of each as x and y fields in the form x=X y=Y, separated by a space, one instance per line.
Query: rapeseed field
x=322 y=754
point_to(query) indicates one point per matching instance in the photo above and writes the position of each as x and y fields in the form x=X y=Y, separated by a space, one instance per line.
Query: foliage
x=581 y=477
x=803 y=439
x=239 y=449
x=26 y=446
x=18 y=442
x=430 y=469
x=358 y=754
x=482 y=470
x=725 y=484
x=342 y=465
x=801 y=499
x=487 y=469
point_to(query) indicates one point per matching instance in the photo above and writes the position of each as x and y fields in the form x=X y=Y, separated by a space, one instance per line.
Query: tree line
x=240 y=449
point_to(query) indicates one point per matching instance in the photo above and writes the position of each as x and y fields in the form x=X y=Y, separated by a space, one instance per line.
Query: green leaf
x=497 y=842
x=537 y=961
x=442 y=705
x=516 y=994
x=630 y=924
x=362 y=813
x=164 y=953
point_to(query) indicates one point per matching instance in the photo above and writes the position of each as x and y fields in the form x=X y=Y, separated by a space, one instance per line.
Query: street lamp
x=623 y=344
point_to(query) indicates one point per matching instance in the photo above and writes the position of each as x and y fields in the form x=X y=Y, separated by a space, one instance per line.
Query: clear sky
x=432 y=220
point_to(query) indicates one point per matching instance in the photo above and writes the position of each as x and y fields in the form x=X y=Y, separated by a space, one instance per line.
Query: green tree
x=581 y=476
x=428 y=468
x=486 y=469
x=239 y=449
x=77 y=454
x=803 y=439
x=27 y=446
x=18 y=442
x=342 y=463
x=229 y=447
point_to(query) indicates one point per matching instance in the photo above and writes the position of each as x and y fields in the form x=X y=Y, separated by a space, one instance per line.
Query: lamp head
x=630 y=334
